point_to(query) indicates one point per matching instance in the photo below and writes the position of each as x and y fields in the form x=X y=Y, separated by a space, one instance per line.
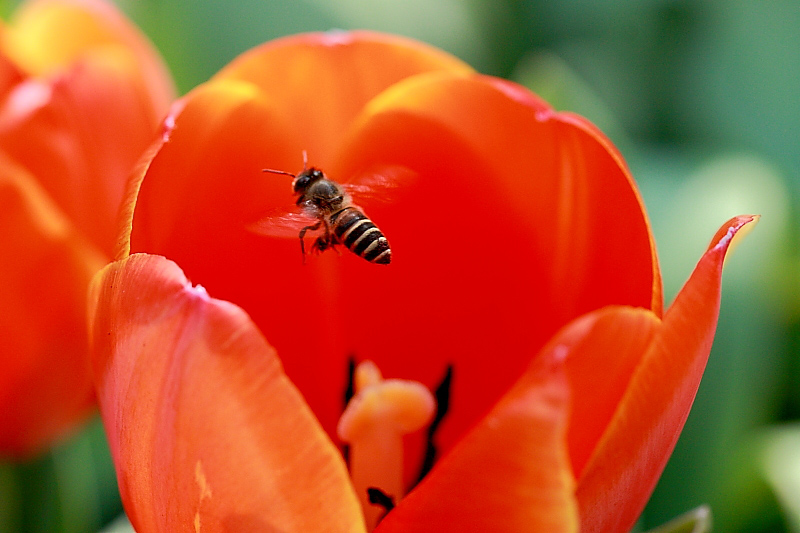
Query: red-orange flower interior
x=509 y=220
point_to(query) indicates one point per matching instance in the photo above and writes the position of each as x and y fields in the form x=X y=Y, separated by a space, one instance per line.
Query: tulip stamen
x=442 y=395
x=373 y=424
x=378 y=497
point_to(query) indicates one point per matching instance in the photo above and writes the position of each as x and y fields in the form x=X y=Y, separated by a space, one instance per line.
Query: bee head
x=305 y=179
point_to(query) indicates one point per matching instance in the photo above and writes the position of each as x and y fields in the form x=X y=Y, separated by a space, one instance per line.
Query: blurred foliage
x=702 y=98
x=695 y=521
x=780 y=455
x=72 y=488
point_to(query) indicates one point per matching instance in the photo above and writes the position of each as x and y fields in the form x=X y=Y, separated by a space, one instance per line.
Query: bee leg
x=302 y=238
x=332 y=239
x=321 y=244
x=328 y=241
x=324 y=241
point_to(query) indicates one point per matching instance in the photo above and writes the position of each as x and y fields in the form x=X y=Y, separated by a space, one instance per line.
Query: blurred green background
x=703 y=99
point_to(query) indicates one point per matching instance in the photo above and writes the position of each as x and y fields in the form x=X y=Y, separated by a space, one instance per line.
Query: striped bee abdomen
x=361 y=236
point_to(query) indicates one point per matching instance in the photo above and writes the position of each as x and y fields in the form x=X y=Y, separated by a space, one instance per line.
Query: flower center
x=373 y=424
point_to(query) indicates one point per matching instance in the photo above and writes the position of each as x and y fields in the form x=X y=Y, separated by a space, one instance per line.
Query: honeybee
x=330 y=209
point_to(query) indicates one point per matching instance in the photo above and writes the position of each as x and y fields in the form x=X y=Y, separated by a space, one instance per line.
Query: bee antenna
x=273 y=171
x=305 y=167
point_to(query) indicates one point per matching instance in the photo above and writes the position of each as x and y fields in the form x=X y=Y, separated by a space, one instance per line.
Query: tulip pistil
x=373 y=424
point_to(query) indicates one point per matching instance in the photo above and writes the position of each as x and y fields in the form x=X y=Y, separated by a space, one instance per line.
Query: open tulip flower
x=81 y=95
x=510 y=370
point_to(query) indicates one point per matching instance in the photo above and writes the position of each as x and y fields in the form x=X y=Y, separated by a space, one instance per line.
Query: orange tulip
x=82 y=93
x=523 y=289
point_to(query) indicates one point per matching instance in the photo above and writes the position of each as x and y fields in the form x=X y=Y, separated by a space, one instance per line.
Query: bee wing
x=283 y=225
x=379 y=186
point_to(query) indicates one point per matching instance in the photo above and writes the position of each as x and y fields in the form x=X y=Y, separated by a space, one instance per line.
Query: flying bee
x=329 y=208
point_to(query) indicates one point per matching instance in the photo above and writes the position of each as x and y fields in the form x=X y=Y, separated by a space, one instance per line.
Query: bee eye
x=301 y=182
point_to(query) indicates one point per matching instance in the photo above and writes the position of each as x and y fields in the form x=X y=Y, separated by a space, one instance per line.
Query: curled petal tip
x=732 y=232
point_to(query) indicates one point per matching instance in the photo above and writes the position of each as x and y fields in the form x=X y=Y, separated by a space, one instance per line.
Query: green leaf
x=780 y=462
x=695 y=521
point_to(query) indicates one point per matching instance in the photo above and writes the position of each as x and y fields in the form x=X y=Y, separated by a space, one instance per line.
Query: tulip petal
x=202 y=193
x=10 y=74
x=510 y=473
x=322 y=80
x=205 y=429
x=205 y=186
x=562 y=176
x=48 y=35
x=604 y=348
x=614 y=339
x=631 y=455
x=80 y=134
x=45 y=268
x=509 y=190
